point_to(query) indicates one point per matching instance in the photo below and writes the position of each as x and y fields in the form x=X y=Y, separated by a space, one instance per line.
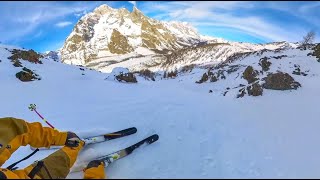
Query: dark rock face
x=17 y=63
x=265 y=64
x=30 y=56
x=250 y=74
x=203 y=79
x=127 y=77
x=172 y=74
x=213 y=77
x=188 y=68
x=255 y=90
x=242 y=92
x=316 y=52
x=298 y=71
x=252 y=90
x=280 y=81
x=27 y=75
x=147 y=74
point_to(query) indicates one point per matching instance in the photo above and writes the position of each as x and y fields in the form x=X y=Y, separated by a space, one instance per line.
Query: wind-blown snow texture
x=202 y=135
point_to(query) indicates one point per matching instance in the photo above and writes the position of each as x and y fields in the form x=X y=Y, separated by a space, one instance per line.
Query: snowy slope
x=208 y=54
x=202 y=135
x=302 y=67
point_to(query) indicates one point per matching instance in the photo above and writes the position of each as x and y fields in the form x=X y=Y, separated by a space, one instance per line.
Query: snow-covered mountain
x=108 y=38
x=206 y=54
x=108 y=32
x=54 y=55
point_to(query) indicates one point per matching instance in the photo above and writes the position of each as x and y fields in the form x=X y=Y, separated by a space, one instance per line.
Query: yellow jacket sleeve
x=38 y=136
x=16 y=132
x=95 y=172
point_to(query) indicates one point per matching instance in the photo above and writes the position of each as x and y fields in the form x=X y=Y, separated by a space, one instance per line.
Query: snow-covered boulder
x=122 y=75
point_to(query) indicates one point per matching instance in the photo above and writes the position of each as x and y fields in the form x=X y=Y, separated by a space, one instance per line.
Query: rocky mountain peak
x=135 y=10
x=124 y=11
x=109 y=32
x=103 y=9
x=137 y=16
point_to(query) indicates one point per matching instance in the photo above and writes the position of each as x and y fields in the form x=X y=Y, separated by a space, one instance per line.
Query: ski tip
x=154 y=137
x=131 y=130
x=134 y=129
x=121 y=133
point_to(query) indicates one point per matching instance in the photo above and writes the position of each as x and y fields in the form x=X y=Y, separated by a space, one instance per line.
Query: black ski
x=100 y=138
x=120 y=134
x=110 y=136
x=125 y=152
x=118 y=154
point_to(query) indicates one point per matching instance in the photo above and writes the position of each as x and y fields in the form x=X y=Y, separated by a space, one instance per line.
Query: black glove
x=95 y=163
x=2 y=175
x=72 y=140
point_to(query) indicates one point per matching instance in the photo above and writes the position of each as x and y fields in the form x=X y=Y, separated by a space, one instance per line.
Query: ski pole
x=32 y=107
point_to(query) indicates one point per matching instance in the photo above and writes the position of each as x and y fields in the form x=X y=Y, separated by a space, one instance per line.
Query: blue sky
x=44 y=26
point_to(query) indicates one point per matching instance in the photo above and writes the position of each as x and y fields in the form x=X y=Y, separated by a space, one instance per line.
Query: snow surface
x=202 y=135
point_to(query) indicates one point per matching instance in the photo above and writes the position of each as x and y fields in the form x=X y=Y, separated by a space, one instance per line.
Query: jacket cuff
x=61 y=139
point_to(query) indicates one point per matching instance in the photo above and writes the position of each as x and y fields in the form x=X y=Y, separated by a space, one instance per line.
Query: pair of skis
x=115 y=135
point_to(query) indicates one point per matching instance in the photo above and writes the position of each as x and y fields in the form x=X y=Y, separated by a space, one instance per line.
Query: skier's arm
x=38 y=136
x=95 y=170
x=16 y=132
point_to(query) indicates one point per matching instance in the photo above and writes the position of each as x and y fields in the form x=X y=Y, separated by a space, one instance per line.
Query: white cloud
x=63 y=24
x=81 y=13
x=309 y=11
x=211 y=13
x=310 y=7
x=224 y=14
x=34 y=15
x=133 y=2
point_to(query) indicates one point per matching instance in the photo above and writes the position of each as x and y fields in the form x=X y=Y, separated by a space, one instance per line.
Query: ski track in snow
x=202 y=135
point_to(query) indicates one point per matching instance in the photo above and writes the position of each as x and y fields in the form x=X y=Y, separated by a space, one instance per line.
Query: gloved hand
x=95 y=170
x=72 y=140
x=95 y=163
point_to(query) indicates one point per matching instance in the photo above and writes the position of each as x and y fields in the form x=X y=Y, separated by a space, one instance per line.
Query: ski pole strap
x=47 y=171
x=37 y=168
x=2 y=175
x=11 y=167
